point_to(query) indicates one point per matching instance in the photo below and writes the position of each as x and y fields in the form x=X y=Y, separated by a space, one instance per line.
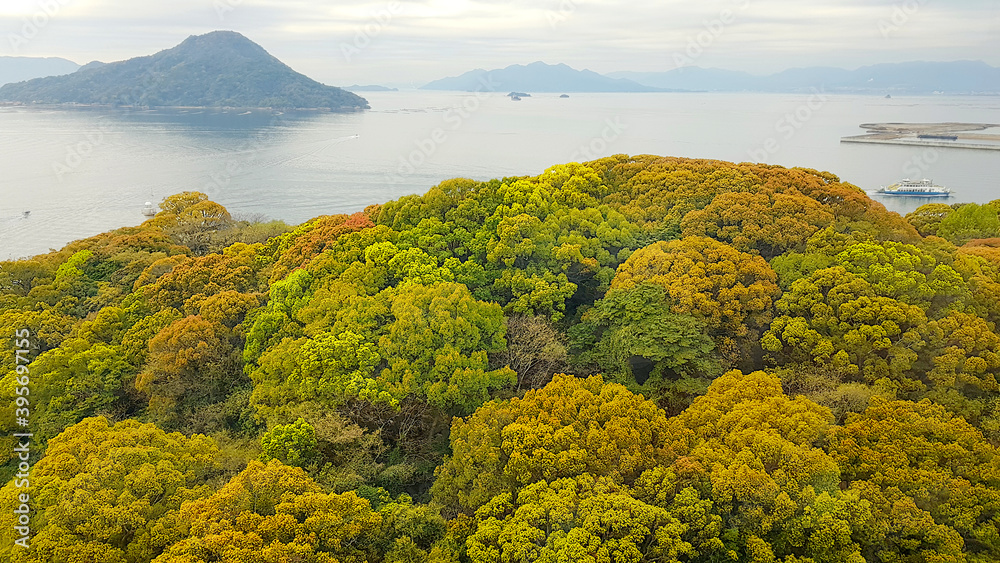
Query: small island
x=369 y=88
x=215 y=70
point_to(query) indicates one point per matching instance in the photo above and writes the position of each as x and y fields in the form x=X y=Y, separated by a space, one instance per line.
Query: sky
x=408 y=43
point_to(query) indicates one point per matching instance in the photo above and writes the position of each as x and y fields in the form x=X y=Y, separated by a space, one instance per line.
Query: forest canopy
x=633 y=359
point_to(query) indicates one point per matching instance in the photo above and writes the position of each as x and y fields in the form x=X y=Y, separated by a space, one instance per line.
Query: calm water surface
x=85 y=172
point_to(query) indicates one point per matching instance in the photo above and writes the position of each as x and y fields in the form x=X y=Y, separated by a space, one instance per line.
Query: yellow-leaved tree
x=733 y=292
x=547 y=478
x=109 y=493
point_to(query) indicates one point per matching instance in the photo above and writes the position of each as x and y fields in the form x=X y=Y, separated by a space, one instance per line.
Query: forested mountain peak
x=217 y=69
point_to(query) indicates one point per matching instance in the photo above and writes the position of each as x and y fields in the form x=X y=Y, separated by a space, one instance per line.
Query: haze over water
x=81 y=173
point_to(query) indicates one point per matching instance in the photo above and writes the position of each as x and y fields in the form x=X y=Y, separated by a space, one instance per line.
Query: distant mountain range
x=218 y=69
x=19 y=69
x=958 y=77
x=225 y=69
x=537 y=77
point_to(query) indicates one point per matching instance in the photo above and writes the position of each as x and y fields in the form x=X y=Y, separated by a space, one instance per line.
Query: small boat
x=925 y=188
x=25 y=214
x=148 y=210
x=515 y=98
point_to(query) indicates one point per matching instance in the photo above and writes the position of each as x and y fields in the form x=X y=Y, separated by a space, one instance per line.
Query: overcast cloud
x=413 y=42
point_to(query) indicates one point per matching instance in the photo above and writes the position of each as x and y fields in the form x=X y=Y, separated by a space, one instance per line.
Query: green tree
x=905 y=273
x=971 y=221
x=633 y=335
x=428 y=341
x=292 y=444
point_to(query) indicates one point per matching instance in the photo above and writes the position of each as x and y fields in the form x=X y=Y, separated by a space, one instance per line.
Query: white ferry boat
x=909 y=187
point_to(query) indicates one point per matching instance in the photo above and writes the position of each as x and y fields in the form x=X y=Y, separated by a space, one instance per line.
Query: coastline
x=937 y=135
x=103 y=107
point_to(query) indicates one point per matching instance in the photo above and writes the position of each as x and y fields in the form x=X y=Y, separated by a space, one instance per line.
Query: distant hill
x=19 y=69
x=369 y=88
x=222 y=68
x=537 y=77
x=957 y=77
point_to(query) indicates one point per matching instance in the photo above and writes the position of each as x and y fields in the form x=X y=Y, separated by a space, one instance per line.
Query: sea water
x=82 y=172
